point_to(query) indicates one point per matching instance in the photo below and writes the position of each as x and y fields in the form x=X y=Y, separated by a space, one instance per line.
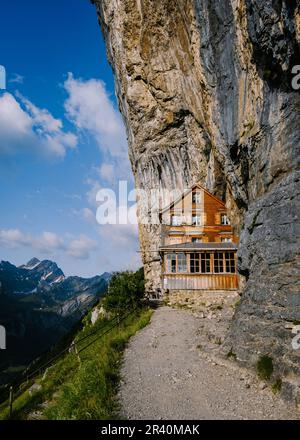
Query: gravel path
x=165 y=376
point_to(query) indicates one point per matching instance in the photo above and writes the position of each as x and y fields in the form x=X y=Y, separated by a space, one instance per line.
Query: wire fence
x=73 y=347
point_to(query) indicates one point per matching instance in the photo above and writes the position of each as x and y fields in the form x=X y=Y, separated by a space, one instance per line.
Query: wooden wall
x=200 y=282
x=210 y=208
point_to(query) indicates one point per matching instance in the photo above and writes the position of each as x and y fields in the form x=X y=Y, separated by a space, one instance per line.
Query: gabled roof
x=187 y=192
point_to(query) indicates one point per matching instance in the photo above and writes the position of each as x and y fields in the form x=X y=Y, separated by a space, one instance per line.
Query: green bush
x=276 y=387
x=231 y=354
x=265 y=367
x=125 y=290
x=118 y=344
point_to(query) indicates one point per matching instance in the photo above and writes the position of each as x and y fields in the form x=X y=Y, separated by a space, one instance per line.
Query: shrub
x=265 y=367
x=118 y=344
x=231 y=355
x=276 y=387
x=125 y=290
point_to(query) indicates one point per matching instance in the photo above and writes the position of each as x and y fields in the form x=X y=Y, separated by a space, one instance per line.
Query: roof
x=185 y=193
x=200 y=247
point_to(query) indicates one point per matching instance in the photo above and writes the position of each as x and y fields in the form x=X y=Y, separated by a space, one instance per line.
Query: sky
x=62 y=139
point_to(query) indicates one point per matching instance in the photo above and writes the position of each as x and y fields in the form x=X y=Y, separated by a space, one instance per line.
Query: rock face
x=205 y=90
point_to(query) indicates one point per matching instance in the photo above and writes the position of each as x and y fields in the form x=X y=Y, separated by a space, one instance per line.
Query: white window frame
x=196 y=197
x=181 y=263
x=225 y=220
x=226 y=240
x=170 y=258
x=195 y=222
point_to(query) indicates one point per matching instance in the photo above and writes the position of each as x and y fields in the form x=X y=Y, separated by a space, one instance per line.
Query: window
x=205 y=262
x=196 y=197
x=218 y=262
x=195 y=263
x=224 y=220
x=196 y=240
x=226 y=240
x=229 y=262
x=200 y=263
x=181 y=262
x=196 y=220
x=176 y=220
x=171 y=263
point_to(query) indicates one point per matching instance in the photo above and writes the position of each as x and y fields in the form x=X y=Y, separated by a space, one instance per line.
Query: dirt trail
x=166 y=375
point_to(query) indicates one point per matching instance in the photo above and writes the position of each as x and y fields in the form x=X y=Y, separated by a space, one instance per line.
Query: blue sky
x=61 y=139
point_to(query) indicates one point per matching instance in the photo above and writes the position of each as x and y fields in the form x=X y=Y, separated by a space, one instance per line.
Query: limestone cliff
x=205 y=90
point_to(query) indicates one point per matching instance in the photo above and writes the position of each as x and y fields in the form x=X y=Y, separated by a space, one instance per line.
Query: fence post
x=11 y=398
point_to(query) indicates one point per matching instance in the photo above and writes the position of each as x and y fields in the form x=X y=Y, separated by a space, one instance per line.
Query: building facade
x=198 y=246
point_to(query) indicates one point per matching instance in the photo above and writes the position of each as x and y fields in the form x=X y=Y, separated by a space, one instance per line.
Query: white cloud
x=107 y=172
x=89 y=215
x=81 y=247
x=41 y=117
x=90 y=108
x=48 y=243
x=122 y=245
x=26 y=128
x=15 y=125
x=94 y=187
x=13 y=238
x=120 y=235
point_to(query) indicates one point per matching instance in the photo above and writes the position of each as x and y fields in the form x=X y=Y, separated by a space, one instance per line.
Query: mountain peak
x=106 y=276
x=32 y=262
x=45 y=271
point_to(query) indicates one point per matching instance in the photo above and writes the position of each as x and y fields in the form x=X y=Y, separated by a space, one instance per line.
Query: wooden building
x=198 y=247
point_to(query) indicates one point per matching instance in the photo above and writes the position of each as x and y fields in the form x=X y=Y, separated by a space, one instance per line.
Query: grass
x=216 y=307
x=231 y=355
x=82 y=390
x=265 y=367
x=218 y=341
x=276 y=386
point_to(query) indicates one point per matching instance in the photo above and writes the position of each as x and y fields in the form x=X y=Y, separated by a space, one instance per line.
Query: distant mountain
x=47 y=281
x=28 y=277
x=44 y=270
x=39 y=305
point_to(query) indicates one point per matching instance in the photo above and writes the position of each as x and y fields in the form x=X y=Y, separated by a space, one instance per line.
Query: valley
x=39 y=306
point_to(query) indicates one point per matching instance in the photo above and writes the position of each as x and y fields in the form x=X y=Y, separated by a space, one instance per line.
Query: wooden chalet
x=198 y=247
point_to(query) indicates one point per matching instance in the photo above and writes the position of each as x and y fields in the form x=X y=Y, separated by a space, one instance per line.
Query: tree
x=125 y=290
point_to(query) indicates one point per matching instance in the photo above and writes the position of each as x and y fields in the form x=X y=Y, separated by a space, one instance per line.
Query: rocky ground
x=173 y=369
